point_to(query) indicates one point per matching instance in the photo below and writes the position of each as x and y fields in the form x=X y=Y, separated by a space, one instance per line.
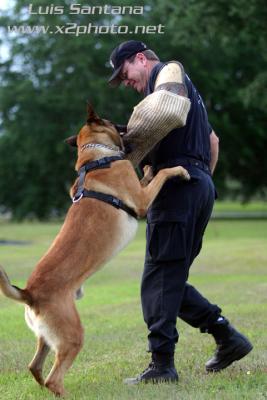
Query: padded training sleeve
x=152 y=119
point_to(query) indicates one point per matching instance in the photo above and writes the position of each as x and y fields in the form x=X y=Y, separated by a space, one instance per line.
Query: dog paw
x=185 y=174
x=148 y=173
x=37 y=374
x=182 y=172
x=56 y=389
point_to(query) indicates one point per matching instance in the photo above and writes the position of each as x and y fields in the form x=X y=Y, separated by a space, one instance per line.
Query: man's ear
x=72 y=141
x=91 y=115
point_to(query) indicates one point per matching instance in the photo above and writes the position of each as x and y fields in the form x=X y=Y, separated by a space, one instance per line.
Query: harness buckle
x=116 y=202
x=76 y=199
x=102 y=161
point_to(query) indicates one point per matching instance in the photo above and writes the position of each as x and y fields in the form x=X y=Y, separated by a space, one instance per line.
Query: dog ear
x=72 y=141
x=91 y=115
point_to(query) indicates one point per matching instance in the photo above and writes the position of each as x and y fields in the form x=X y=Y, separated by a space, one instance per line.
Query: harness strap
x=107 y=198
x=104 y=162
x=101 y=163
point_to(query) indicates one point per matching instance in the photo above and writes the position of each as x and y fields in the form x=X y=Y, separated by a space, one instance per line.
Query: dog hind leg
x=36 y=365
x=70 y=341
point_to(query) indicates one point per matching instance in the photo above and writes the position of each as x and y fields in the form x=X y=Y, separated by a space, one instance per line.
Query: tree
x=48 y=78
x=223 y=47
x=46 y=83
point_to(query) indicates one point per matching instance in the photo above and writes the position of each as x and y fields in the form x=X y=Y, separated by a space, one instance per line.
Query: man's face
x=135 y=74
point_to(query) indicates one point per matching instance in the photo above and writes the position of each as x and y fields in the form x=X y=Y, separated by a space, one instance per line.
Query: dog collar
x=102 y=146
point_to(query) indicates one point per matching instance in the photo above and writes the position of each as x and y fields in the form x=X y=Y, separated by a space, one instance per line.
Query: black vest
x=192 y=140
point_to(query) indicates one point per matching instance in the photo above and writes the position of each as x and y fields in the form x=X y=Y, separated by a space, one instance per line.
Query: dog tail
x=13 y=292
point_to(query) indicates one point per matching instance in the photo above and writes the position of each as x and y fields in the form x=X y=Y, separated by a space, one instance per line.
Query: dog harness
x=104 y=162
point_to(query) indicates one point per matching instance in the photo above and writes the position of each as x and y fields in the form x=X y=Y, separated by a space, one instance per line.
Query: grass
x=230 y=271
x=244 y=207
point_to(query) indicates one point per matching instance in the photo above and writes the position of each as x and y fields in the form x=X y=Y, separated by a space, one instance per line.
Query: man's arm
x=172 y=79
x=158 y=114
x=214 y=151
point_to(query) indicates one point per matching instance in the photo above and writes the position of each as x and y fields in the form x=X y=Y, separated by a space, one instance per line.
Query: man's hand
x=148 y=175
x=214 y=151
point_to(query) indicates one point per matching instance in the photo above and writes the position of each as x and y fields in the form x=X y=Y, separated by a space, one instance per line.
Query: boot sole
x=146 y=381
x=235 y=356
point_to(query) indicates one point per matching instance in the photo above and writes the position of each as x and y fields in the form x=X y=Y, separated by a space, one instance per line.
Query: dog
x=95 y=229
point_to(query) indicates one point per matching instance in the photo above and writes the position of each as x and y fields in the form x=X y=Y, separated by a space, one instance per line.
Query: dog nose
x=121 y=128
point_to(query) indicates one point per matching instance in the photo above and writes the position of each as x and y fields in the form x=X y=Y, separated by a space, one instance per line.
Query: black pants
x=176 y=223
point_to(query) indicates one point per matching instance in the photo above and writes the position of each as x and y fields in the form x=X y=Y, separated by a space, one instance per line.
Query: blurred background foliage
x=46 y=80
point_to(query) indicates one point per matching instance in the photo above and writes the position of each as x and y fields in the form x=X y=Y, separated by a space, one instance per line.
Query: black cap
x=121 y=53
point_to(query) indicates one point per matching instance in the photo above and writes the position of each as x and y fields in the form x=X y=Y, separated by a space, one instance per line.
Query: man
x=170 y=127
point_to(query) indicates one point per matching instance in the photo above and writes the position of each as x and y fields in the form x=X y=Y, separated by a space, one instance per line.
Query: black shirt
x=192 y=140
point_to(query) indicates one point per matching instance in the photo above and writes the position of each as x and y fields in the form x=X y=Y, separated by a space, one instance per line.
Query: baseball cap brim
x=115 y=80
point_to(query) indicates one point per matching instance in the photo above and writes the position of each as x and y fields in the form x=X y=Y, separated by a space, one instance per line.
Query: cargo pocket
x=166 y=239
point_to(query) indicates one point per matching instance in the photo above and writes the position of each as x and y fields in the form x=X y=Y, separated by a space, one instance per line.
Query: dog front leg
x=148 y=175
x=150 y=192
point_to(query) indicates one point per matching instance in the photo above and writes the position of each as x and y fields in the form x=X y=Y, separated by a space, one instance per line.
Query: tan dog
x=93 y=232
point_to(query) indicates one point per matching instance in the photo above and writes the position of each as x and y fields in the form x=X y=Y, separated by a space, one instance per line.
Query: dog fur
x=93 y=232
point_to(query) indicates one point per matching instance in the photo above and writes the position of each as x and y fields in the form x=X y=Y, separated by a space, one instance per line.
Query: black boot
x=161 y=369
x=231 y=345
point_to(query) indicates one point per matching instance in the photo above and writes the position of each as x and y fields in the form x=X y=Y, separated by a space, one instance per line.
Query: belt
x=184 y=162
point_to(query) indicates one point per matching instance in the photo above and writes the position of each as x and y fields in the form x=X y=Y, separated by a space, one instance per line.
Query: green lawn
x=231 y=271
x=244 y=207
